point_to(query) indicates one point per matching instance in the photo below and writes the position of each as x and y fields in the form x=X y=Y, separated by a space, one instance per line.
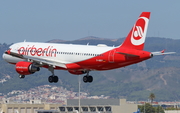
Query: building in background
x=86 y=105
x=99 y=106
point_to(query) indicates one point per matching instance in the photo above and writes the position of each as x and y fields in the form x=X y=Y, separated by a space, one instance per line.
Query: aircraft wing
x=40 y=61
x=44 y=61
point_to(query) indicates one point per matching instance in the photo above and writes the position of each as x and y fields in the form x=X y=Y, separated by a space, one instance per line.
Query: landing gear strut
x=88 y=78
x=52 y=78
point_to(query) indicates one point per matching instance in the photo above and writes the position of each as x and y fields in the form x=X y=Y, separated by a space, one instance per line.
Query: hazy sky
x=43 y=20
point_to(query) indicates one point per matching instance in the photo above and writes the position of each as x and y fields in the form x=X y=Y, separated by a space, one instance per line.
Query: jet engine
x=26 y=68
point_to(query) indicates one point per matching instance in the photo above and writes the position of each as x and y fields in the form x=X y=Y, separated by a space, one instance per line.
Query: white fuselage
x=64 y=53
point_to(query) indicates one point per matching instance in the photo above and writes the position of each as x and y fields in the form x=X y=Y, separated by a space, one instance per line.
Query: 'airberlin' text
x=33 y=51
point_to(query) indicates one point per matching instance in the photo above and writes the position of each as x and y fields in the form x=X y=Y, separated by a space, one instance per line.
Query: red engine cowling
x=26 y=68
x=76 y=72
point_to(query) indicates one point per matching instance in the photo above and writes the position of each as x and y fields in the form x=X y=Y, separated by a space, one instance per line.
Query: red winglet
x=163 y=51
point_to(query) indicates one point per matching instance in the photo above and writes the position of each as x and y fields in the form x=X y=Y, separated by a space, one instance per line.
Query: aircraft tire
x=55 y=78
x=85 y=79
x=51 y=79
x=90 y=79
x=21 y=76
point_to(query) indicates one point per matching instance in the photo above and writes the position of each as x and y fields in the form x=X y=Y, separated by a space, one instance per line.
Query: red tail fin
x=137 y=35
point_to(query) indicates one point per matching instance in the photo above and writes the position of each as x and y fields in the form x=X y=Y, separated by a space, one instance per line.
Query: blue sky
x=43 y=20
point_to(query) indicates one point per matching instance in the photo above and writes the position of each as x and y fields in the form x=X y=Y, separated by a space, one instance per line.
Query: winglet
x=163 y=51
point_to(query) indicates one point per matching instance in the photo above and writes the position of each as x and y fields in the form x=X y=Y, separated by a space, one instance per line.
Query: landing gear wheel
x=21 y=76
x=52 y=79
x=90 y=79
x=56 y=79
x=87 y=79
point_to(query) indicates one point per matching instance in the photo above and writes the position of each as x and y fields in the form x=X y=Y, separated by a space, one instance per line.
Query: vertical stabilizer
x=137 y=35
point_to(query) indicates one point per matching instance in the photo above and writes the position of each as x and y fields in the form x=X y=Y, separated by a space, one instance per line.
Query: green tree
x=159 y=109
x=148 y=108
x=152 y=97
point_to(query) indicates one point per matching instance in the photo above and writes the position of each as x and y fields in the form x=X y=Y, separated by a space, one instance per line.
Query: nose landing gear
x=21 y=76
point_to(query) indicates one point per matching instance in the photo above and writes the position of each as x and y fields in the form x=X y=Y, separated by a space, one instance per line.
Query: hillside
x=159 y=75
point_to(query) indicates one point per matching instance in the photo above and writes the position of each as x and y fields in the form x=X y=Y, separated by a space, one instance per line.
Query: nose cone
x=6 y=54
x=6 y=57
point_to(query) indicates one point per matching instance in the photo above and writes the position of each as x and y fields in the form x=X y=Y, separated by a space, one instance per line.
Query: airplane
x=29 y=57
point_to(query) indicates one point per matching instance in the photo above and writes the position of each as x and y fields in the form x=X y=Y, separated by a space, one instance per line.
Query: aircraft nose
x=11 y=59
x=4 y=56
x=8 y=58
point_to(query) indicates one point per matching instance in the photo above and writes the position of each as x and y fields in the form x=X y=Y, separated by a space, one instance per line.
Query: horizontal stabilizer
x=162 y=53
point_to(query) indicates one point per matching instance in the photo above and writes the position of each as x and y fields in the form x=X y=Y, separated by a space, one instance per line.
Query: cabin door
x=111 y=56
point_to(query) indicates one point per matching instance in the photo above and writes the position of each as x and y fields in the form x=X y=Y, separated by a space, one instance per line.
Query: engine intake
x=26 y=68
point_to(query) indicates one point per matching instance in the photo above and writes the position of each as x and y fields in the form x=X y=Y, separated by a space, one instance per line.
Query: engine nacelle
x=26 y=68
x=76 y=72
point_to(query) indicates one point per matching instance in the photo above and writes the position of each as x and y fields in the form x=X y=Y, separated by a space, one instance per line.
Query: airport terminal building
x=86 y=106
x=99 y=106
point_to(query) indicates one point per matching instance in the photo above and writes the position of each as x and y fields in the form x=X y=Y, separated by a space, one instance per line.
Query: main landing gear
x=88 y=78
x=52 y=78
